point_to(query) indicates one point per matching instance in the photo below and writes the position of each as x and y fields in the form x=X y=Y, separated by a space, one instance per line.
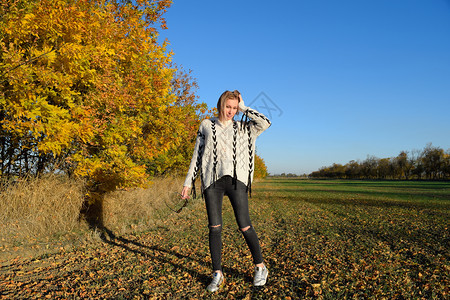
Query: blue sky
x=341 y=79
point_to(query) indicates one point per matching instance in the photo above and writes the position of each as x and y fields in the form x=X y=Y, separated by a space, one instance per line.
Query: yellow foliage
x=260 y=167
x=87 y=89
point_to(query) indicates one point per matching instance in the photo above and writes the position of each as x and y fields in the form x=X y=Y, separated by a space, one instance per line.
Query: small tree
x=260 y=167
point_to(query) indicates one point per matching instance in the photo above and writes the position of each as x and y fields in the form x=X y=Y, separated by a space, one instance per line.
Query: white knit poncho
x=226 y=149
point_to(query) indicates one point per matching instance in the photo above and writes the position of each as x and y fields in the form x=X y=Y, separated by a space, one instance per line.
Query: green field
x=324 y=239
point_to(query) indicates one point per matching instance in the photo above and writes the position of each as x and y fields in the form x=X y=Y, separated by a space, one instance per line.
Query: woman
x=224 y=155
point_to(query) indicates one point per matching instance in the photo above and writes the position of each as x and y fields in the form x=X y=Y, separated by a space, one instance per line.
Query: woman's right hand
x=185 y=192
x=241 y=104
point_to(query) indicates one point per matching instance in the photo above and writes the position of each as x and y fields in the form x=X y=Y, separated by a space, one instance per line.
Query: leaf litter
x=315 y=249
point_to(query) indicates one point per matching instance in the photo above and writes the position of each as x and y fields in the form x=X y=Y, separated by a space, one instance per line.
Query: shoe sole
x=261 y=284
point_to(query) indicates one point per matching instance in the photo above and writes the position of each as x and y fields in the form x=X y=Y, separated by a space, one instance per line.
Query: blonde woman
x=224 y=158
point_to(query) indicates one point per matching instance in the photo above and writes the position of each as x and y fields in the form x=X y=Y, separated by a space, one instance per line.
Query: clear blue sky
x=341 y=79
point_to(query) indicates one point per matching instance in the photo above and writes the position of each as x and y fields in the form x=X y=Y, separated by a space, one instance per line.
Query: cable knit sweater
x=226 y=149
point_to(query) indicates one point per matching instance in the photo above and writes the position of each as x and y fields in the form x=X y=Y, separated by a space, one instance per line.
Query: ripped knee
x=215 y=228
x=245 y=228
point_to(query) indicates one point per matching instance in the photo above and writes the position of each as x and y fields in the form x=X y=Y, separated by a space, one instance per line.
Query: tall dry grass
x=35 y=207
x=42 y=210
x=140 y=209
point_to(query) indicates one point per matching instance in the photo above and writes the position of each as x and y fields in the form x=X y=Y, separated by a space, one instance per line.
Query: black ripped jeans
x=239 y=201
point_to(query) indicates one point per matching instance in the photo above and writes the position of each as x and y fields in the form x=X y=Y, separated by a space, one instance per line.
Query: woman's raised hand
x=242 y=107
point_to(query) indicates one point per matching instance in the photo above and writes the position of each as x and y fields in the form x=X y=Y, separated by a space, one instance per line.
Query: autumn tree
x=369 y=167
x=190 y=114
x=401 y=165
x=260 y=167
x=446 y=165
x=433 y=159
x=352 y=169
x=86 y=89
x=384 y=169
x=337 y=171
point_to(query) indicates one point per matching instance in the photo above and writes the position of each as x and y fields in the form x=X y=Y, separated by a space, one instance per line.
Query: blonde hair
x=223 y=100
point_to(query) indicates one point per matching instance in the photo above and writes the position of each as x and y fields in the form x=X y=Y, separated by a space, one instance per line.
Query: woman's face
x=231 y=108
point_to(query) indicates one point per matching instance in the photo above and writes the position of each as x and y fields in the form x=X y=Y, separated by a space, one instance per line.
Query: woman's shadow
x=92 y=213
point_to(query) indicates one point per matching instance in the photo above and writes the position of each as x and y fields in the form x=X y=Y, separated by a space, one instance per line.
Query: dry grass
x=35 y=207
x=47 y=210
x=139 y=209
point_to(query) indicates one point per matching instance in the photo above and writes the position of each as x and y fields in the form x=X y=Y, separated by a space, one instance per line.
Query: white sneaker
x=217 y=281
x=261 y=274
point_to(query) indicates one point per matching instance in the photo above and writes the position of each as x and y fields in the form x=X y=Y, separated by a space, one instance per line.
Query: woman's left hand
x=185 y=192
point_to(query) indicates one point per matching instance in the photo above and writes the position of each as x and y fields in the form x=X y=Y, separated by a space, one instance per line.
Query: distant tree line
x=288 y=175
x=432 y=163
